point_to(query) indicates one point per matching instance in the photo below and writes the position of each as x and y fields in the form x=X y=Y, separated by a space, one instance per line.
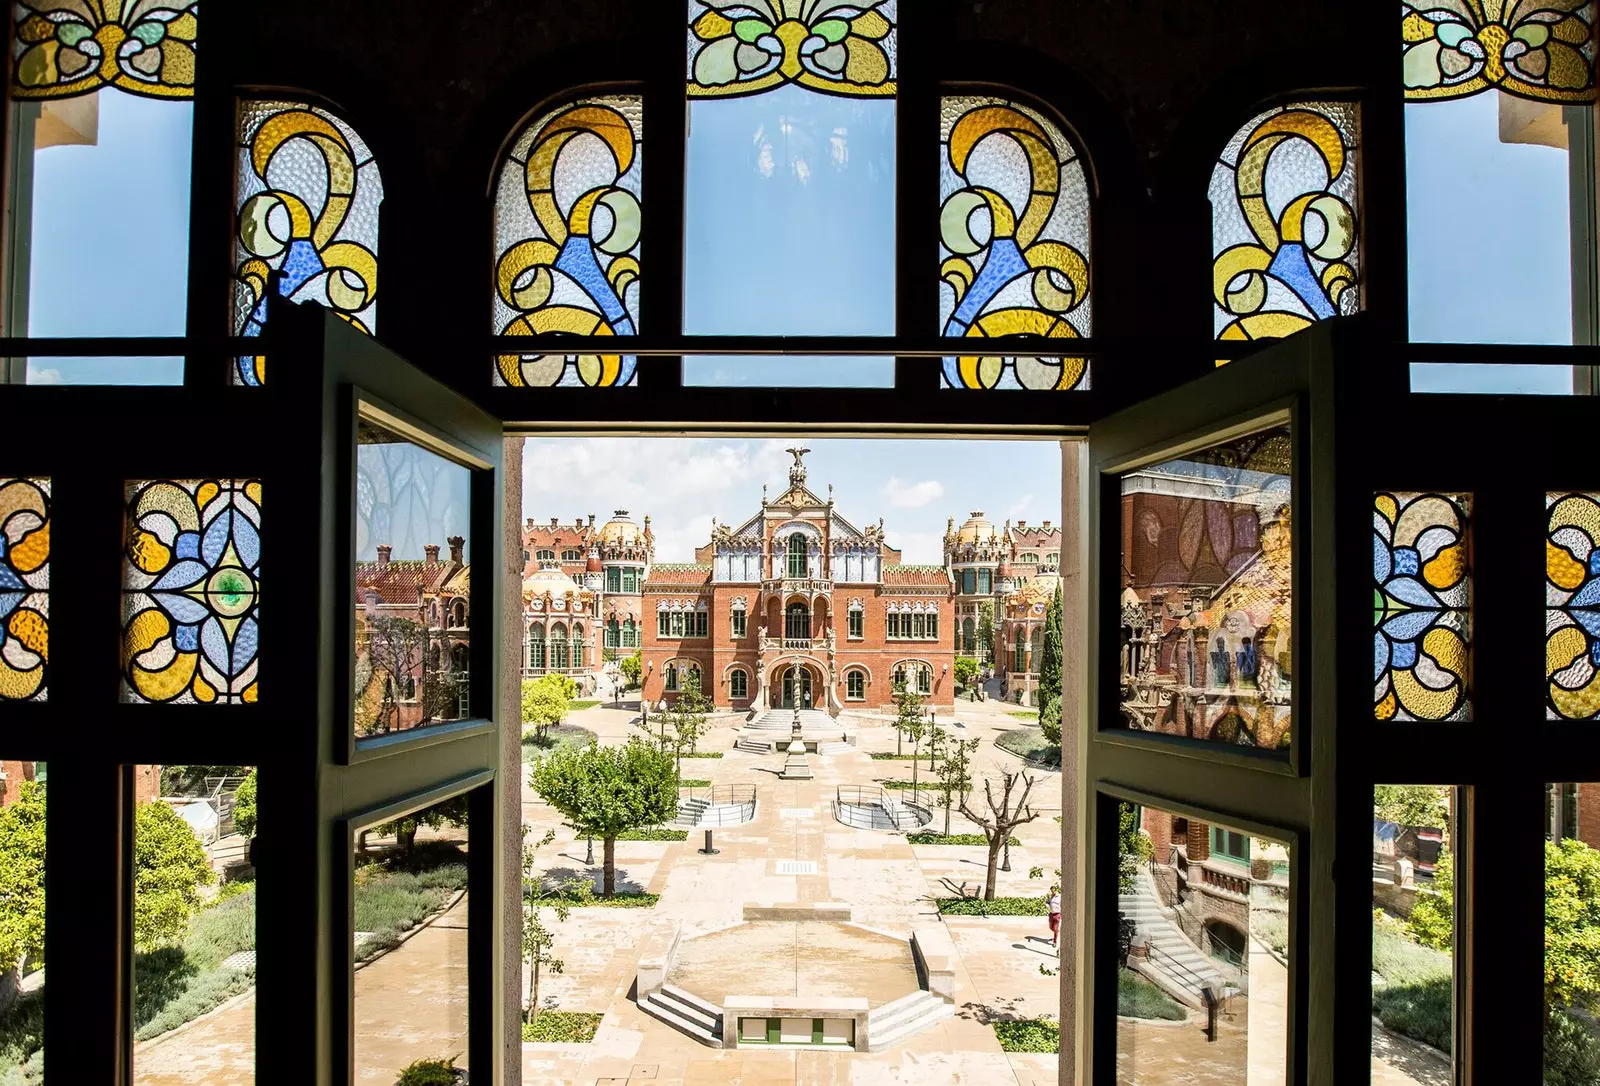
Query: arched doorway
x=785 y=694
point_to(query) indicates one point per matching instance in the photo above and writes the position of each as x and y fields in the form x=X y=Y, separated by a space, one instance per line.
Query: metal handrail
x=726 y=804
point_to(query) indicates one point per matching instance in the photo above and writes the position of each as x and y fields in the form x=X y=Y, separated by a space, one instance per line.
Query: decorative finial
x=797 y=473
x=830 y=493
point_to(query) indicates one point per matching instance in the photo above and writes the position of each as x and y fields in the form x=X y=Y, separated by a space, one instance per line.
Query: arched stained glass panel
x=1455 y=48
x=58 y=48
x=1013 y=241
x=566 y=236
x=308 y=191
x=1284 y=227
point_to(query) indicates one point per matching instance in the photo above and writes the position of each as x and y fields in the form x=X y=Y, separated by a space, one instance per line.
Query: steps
x=687 y=1013
x=782 y=720
x=1181 y=964
x=894 y=1022
x=690 y=812
x=827 y=747
x=752 y=746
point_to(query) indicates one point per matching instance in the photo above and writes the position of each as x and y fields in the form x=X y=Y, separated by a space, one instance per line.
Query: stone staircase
x=901 y=816
x=826 y=747
x=687 y=1013
x=752 y=746
x=1178 y=965
x=782 y=720
x=894 y=1022
x=690 y=811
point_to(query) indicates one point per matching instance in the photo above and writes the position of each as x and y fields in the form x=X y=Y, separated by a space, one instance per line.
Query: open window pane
x=194 y=925
x=1203 y=984
x=1414 y=877
x=24 y=589
x=1206 y=614
x=410 y=942
x=22 y=903
x=1572 y=925
x=412 y=585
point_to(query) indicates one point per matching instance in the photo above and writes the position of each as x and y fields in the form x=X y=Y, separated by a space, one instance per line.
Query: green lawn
x=953 y=839
x=578 y=706
x=693 y=782
x=701 y=754
x=392 y=897
x=1024 y=714
x=1138 y=998
x=576 y=1027
x=1000 y=906
x=559 y=735
x=623 y=899
x=22 y=1041
x=173 y=984
x=653 y=833
x=1030 y=745
x=1415 y=998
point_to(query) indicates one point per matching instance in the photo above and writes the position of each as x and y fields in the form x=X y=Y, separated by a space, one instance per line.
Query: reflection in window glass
x=22 y=890
x=1206 y=630
x=410 y=942
x=24 y=588
x=1413 y=933
x=1422 y=586
x=1500 y=163
x=1572 y=601
x=192 y=591
x=194 y=925
x=412 y=585
x=1203 y=969
x=789 y=193
x=1572 y=930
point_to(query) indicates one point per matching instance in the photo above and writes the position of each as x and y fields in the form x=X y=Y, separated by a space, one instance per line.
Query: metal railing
x=852 y=799
x=726 y=804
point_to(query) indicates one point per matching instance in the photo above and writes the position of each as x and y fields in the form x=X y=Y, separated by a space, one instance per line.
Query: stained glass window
x=1572 y=601
x=65 y=48
x=1543 y=51
x=1421 y=595
x=24 y=588
x=308 y=194
x=1013 y=241
x=1284 y=232
x=192 y=591
x=740 y=47
x=566 y=233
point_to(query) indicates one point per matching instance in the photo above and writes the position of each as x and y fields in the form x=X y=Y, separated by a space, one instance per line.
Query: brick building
x=611 y=560
x=412 y=633
x=797 y=599
x=1011 y=572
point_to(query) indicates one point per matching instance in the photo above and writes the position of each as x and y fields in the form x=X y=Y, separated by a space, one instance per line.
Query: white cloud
x=918 y=548
x=912 y=495
x=49 y=376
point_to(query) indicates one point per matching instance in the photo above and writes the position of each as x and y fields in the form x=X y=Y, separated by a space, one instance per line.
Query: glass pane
x=22 y=903
x=1572 y=599
x=102 y=168
x=194 y=925
x=308 y=195
x=191 y=591
x=1413 y=933
x=412 y=574
x=1284 y=226
x=1421 y=596
x=1448 y=50
x=1206 y=621
x=790 y=185
x=1013 y=241
x=410 y=899
x=1572 y=926
x=1203 y=970
x=24 y=589
x=567 y=222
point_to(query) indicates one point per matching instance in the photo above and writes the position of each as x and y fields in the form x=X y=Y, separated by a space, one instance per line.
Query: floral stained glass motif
x=309 y=192
x=1455 y=48
x=64 y=48
x=1284 y=232
x=1422 y=582
x=1013 y=241
x=741 y=47
x=566 y=223
x=192 y=591
x=24 y=588
x=1572 y=606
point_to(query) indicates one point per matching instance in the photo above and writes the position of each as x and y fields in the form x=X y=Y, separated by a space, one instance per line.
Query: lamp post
x=1005 y=864
x=588 y=857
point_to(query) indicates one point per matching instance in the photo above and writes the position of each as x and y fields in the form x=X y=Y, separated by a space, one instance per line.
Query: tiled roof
x=678 y=573
x=915 y=575
x=397 y=582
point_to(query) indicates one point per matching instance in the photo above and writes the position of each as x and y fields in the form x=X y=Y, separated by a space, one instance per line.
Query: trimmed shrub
x=570 y=1027
x=1029 y=1035
x=1000 y=906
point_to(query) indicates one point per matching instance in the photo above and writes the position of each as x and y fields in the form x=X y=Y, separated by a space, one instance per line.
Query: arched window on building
x=630 y=633
x=560 y=649
x=857 y=622
x=1019 y=661
x=613 y=633
x=933 y=626
x=985 y=582
x=855 y=685
x=580 y=646
x=545 y=555
x=536 y=649
x=797 y=622
x=899 y=677
x=919 y=625
x=969 y=636
x=797 y=555
x=458 y=615
x=571 y=556
x=458 y=658
x=738 y=683
x=671 y=677
x=738 y=619
x=1036 y=644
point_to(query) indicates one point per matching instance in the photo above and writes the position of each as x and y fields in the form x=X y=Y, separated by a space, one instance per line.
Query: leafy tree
x=1050 y=718
x=1133 y=847
x=1050 y=667
x=1432 y=921
x=190 y=780
x=955 y=773
x=450 y=812
x=966 y=669
x=1571 y=923
x=169 y=867
x=910 y=721
x=244 y=806
x=1002 y=818
x=632 y=666
x=537 y=938
x=986 y=631
x=686 y=716
x=21 y=886
x=545 y=700
x=1413 y=804
x=607 y=790
x=608 y=655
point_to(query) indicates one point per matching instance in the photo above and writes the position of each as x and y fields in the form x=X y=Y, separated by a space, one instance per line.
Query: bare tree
x=1003 y=817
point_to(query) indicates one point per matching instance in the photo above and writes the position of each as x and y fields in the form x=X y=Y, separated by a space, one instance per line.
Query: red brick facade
x=798 y=571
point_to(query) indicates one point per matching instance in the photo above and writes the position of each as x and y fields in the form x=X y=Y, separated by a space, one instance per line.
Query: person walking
x=1054 y=908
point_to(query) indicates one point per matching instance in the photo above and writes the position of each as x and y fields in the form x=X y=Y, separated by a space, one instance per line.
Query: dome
x=1041 y=589
x=548 y=578
x=621 y=530
x=976 y=528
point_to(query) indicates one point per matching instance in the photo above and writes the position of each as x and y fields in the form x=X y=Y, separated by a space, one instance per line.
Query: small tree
x=169 y=867
x=244 y=806
x=451 y=812
x=955 y=773
x=545 y=700
x=395 y=648
x=632 y=666
x=537 y=938
x=910 y=721
x=966 y=669
x=1412 y=804
x=1134 y=849
x=686 y=717
x=1006 y=812
x=1433 y=916
x=608 y=790
x=22 y=828
x=1050 y=718
x=1571 y=923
